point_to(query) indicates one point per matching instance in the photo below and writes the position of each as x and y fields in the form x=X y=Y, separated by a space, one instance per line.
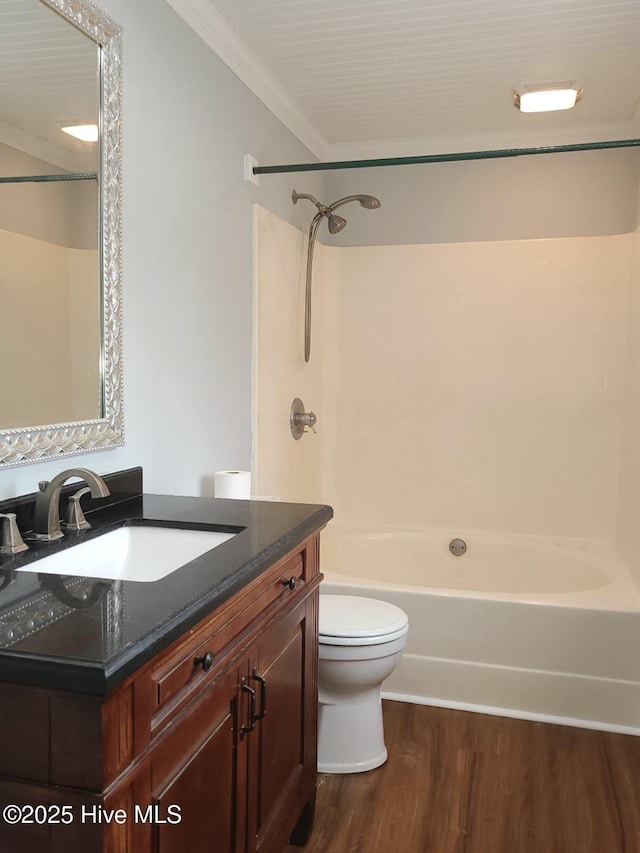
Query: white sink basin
x=131 y=553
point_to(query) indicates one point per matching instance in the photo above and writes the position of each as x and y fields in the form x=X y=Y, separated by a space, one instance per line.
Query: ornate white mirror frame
x=37 y=443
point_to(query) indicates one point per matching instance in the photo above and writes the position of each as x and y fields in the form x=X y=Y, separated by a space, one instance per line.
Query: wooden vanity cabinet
x=240 y=761
x=214 y=755
x=282 y=748
x=199 y=768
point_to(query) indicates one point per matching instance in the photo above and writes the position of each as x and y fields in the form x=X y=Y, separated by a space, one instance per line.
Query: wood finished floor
x=458 y=782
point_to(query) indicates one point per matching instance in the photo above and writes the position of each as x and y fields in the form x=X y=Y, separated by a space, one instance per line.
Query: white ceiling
x=360 y=78
x=48 y=75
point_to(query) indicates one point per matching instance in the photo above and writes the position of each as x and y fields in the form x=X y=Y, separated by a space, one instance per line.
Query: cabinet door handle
x=290 y=582
x=205 y=660
x=252 y=707
x=263 y=694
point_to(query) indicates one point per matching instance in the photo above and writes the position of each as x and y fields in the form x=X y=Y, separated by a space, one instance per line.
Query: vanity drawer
x=196 y=660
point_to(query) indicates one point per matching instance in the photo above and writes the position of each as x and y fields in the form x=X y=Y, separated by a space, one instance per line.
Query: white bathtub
x=529 y=627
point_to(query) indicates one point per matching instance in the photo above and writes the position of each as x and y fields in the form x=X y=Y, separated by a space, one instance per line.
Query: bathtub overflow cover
x=457 y=547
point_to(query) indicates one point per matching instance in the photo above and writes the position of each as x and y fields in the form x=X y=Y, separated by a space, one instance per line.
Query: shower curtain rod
x=444 y=158
x=40 y=179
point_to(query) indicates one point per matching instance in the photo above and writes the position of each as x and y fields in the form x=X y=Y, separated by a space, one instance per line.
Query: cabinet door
x=206 y=790
x=282 y=747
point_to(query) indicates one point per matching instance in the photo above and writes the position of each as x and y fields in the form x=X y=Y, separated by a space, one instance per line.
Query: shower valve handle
x=306 y=419
x=299 y=420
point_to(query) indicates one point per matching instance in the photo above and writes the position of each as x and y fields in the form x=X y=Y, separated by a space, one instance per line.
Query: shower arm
x=313 y=230
x=345 y=200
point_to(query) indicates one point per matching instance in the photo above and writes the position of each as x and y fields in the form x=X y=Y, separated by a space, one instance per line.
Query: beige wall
x=84 y=314
x=296 y=470
x=48 y=293
x=629 y=503
x=34 y=344
x=467 y=386
x=50 y=323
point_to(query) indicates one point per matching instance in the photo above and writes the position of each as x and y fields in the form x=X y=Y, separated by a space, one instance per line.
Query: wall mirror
x=60 y=224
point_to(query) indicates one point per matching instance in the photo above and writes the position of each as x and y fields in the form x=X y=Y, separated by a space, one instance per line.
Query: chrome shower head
x=336 y=223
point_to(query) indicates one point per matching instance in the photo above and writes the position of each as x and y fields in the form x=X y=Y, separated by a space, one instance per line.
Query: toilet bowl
x=361 y=643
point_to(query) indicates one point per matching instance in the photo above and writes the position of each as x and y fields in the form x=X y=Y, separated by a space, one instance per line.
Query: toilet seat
x=349 y=620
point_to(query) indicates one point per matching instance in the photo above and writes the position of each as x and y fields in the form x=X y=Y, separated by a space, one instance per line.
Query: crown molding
x=209 y=24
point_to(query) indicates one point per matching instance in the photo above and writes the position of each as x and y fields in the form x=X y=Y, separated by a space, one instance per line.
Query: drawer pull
x=205 y=660
x=263 y=694
x=252 y=707
x=290 y=582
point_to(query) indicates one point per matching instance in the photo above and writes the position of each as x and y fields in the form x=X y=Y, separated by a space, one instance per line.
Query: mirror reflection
x=50 y=291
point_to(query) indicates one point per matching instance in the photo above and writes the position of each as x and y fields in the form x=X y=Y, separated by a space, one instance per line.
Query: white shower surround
x=477 y=388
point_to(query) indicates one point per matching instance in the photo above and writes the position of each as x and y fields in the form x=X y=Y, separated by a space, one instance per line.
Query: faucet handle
x=11 y=541
x=299 y=419
x=75 y=519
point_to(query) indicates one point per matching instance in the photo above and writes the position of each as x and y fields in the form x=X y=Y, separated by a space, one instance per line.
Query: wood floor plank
x=459 y=782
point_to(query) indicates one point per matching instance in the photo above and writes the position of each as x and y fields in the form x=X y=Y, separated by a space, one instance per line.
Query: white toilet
x=361 y=643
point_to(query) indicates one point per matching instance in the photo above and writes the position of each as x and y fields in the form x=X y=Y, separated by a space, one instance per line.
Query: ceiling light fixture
x=546 y=97
x=85 y=132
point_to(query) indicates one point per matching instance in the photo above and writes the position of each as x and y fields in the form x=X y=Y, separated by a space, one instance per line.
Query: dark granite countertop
x=47 y=640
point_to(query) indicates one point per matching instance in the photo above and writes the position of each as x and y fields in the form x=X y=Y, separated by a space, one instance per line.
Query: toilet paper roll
x=232 y=484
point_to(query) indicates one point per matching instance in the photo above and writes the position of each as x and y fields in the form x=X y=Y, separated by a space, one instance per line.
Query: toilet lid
x=351 y=620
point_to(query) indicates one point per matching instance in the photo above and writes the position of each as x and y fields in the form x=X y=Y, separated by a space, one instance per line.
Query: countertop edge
x=96 y=679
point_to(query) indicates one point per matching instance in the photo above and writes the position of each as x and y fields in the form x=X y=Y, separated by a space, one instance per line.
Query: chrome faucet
x=46 y=517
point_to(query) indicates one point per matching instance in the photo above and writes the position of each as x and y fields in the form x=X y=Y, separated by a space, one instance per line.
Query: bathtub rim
x=604 y=598
x=620 y=594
